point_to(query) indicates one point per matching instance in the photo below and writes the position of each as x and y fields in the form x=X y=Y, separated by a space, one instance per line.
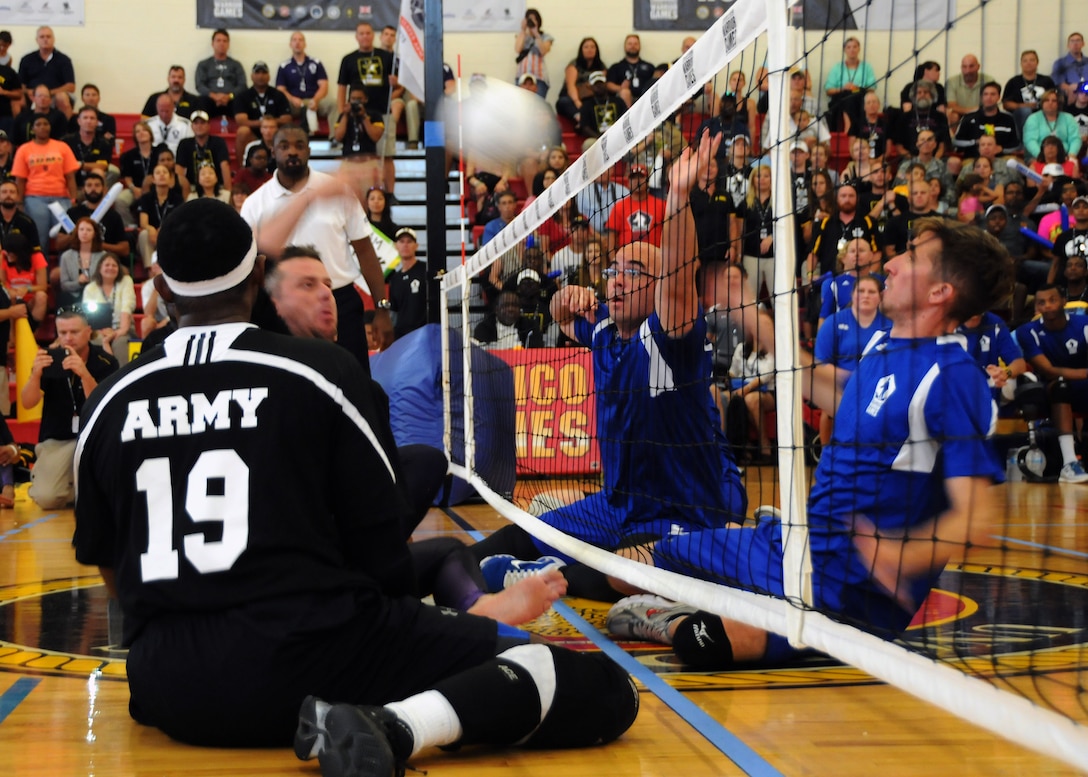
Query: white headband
x=215 y=285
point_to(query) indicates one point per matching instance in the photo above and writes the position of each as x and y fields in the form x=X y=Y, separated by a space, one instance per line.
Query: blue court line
x=13 y=696
x=25 y=526
x=726 y=741
x=1041 y=546
x=714 y=732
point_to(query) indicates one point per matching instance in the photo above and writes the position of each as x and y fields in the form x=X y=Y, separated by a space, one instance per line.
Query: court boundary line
x=16 y=694
x=724 y=740
x=1042 y=546
x=25 y=526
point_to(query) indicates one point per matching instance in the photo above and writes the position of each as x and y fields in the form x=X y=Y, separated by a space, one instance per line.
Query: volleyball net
x=996 y=635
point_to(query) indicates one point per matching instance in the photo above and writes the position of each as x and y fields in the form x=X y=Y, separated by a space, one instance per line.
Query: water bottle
x=223 y=124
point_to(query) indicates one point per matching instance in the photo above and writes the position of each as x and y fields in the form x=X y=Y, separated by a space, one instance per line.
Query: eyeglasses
x=634 y=273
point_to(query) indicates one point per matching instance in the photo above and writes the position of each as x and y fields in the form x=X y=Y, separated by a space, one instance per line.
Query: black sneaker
x=352 y=741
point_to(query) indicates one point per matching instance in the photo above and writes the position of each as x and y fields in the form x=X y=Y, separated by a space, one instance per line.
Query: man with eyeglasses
x=61 y=379
x=666 y=465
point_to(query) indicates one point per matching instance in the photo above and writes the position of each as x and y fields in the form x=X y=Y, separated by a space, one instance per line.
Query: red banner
x=556 y=415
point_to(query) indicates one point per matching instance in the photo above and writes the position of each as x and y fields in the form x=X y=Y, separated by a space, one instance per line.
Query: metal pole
x=434 y=142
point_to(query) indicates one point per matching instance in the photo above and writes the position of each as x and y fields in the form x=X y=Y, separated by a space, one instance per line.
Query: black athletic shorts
x=236 y=678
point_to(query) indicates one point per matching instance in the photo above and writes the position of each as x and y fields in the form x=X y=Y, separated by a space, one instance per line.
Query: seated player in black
x=300 y=289
x=218 y=544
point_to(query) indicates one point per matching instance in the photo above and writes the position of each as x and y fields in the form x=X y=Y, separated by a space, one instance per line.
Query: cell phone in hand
x=56 y=370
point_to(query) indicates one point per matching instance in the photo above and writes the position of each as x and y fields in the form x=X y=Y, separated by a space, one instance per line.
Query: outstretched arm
x=675 y=298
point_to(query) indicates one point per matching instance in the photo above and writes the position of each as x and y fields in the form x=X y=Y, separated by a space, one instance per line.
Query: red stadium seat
x=572 y=142
x=689 y=124
x=840 y=151
x=518 y=187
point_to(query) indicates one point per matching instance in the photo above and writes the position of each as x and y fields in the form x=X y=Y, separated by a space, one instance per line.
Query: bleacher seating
x=689 y=124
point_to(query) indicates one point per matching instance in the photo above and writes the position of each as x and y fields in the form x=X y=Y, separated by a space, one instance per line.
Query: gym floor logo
x=61 y=627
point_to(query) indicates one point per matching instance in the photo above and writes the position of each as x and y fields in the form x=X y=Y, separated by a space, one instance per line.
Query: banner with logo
x=556 y=418
x=474 y=16
x=62 y=14
x=325 y=15
x=822 y=15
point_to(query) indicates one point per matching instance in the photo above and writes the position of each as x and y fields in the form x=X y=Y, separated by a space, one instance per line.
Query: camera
x=356 y=106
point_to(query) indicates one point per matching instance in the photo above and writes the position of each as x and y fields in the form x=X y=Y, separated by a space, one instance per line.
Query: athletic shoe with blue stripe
x=502 y=571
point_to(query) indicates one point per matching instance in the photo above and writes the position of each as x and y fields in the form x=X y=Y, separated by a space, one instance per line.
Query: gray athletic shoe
x=646 y=617
x=352 y=741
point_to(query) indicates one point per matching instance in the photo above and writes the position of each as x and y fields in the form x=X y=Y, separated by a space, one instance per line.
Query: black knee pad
x=595 y=702
x=497 y=702
x=700 y=642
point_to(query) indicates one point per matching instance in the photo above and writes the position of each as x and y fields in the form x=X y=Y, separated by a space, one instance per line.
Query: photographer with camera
x=62 y=378
x=532 y=44
x=359 y=129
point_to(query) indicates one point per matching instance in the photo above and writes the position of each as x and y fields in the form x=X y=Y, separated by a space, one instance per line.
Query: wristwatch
x=383 y=304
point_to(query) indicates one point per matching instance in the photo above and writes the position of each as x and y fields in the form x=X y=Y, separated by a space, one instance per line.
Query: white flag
x=410 y=47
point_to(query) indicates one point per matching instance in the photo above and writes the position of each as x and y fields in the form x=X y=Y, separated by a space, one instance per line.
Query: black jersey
x=233 y=467
x=372 y=70
x=191 y=156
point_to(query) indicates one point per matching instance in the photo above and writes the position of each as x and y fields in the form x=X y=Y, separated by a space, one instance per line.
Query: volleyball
x=499 y=121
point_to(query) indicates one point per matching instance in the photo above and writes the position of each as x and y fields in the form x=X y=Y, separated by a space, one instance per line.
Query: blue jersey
x=841 y=340
x=991 y=342
x=914 y=414
x=657 y=426
x=301 y=80
x=837 y=293
x=1065 y=347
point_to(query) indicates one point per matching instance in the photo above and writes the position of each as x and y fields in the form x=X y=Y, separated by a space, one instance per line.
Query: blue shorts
x=599 y=522
x=751 y=559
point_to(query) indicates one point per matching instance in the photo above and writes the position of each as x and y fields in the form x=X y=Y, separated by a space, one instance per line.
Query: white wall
x=127 y=46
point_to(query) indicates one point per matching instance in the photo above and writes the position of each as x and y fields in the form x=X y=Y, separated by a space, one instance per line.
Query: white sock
x=1069 y=452
x=430 y=718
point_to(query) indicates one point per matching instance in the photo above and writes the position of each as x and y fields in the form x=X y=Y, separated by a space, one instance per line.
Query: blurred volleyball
x=499 y=121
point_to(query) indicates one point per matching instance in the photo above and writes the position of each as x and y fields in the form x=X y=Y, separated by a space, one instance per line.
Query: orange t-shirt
x=44 y=167
x=19 y=281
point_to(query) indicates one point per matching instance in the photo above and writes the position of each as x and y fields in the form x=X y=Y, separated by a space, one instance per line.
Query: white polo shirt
x=329 y=225
x=171 y=134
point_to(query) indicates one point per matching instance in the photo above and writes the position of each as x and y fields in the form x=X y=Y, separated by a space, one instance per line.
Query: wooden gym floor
x=63 y=699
